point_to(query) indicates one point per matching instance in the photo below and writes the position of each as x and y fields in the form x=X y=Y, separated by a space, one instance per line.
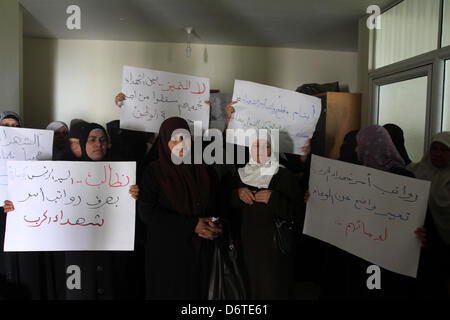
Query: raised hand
x=119 y=99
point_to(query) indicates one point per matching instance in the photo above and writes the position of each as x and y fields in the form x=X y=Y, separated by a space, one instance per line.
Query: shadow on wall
x=39 y=83
x=38 y=78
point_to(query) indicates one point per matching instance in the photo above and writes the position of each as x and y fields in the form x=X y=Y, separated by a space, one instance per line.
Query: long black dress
x=105 y=275
x=24 y=275
x=177 y=260
x=350 y=274
x=270 y=273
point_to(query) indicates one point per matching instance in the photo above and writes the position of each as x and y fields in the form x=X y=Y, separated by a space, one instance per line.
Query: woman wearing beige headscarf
x=435 y=167
x=262 y=191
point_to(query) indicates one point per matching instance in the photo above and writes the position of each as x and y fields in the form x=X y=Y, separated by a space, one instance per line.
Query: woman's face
x=75 y=147
x=9 y=122
x=261 y=151
x=179 y=144
x=439 y=155
x=96 y=145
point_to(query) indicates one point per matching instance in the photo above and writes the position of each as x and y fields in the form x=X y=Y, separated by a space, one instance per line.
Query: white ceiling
x=309 y=24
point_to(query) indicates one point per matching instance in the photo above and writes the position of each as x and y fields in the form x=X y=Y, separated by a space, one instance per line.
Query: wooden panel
x=343 y=116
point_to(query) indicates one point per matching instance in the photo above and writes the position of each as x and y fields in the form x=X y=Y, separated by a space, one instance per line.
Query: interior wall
x=10 y=54
x=67 y=79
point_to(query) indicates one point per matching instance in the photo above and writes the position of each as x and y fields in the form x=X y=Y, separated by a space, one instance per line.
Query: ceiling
x=308 y=24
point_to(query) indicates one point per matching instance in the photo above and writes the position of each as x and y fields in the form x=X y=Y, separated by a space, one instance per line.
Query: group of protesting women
x=183 y=209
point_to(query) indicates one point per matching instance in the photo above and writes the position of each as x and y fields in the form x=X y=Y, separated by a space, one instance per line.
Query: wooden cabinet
x=341 y=113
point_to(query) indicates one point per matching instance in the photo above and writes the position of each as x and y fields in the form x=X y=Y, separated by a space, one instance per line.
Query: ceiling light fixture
x=188 y=42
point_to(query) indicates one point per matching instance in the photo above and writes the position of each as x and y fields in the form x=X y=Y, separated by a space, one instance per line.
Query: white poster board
x=258 y=106
x=63 y=205
x=22 y=144
x=370 y=213
x=153 y=96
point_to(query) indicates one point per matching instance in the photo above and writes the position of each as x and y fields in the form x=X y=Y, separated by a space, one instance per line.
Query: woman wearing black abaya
x=376 y=150
x=23 y=275
x=434 y=272
x=398 y=139
x=72 y=151
x=104 y=274
x=338 y=279
x=10 y=286
x=263 y=190
x=177 y=203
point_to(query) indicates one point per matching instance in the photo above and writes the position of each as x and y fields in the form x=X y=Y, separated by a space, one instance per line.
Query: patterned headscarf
x=376 y=149
x=10 y=114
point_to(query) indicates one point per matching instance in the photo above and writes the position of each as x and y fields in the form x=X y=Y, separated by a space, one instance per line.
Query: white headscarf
x=439 y=202
x=259 y=174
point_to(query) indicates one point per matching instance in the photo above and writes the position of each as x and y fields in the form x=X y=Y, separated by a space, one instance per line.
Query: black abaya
x=177 y=260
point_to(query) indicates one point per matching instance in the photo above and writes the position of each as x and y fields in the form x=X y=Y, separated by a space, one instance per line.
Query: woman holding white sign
x=26 y=275
x=9 y=286
x=104 y=274
x=375 y=149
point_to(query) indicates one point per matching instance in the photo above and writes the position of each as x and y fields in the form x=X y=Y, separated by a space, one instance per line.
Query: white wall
x=10 y=55
x=66 y=79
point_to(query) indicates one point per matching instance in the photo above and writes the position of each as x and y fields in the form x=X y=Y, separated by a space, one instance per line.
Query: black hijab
x=398 y=139
x=76 y=131
x=86 y=130
x=347 y=152
x=185 y=185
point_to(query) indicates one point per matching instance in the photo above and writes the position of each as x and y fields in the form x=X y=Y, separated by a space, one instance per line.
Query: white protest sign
x=258 y=106
x=62 y=205
x=153 y=96
x=370 y=213
x=22 y=144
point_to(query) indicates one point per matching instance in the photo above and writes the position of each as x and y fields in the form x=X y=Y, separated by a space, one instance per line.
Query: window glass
x=408 y=29
x=446 y=113
x=404 y=104
x=446 y=24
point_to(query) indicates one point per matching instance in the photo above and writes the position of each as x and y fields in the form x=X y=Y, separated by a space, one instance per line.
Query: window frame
x=423 y=71
x=431 y=64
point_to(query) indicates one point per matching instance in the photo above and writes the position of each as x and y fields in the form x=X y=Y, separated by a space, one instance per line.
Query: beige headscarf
x=259 y=174
x=439 y=202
